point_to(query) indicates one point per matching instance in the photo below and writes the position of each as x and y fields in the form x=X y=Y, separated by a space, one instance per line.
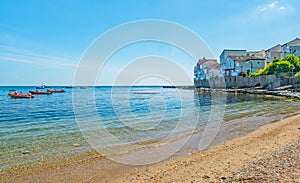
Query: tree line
x=289 y=64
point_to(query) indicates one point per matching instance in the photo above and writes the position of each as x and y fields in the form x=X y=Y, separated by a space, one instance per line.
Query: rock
x=205 y=177
x=26 y=152
x=263 y=172
x=223 y=178
x=76 y=145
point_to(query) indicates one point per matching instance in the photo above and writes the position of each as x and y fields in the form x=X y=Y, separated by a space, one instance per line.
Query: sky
x=44 y=41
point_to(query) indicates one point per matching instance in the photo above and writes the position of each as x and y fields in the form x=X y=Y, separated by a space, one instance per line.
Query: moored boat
x=20 y=95
x=42 y=87
x=40 y=92
x=56 y=91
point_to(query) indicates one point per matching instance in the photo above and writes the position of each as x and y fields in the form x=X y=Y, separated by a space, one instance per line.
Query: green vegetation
x=297 y=74
x=289 y=64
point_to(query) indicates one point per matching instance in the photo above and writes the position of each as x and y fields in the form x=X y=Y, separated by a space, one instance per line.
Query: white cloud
x=282 y=8
x=12 y=54
x=263 y=9
x=273 y=6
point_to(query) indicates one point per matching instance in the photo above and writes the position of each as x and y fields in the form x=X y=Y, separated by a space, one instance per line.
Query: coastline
x=215 y=164
x=220 y=162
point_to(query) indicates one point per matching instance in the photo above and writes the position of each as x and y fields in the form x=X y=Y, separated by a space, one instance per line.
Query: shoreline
x=286 y=91
x=221 y=162
x=208 y=165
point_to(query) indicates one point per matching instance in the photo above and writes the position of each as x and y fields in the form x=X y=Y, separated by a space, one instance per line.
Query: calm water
x=45 y=127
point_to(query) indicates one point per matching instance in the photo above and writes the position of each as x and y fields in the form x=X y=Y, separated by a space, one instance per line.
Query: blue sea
x=52 y=128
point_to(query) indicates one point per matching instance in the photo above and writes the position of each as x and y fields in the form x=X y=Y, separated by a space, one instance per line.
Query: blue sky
x=43 y=41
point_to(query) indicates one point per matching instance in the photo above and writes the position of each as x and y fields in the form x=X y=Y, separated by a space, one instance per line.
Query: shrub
x=280 y=67
x=289 y=64
x=297 y=74
x=294 y=60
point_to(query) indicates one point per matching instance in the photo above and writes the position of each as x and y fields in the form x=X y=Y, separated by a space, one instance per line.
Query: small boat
x=40 y=92
x=20 y=95
x=69 y=86
x=42 y=87
x=83 y=87
x=56 y=91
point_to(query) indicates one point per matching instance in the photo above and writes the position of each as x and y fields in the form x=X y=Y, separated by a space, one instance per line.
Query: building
x=199 y=71
x=272 y=53
x=214 y=70
x=291 y=47
x=206 y=68
x=280 y=51
x=236 y=65
x=256 y=64
x=225 y=53
x=259 y=54
x=295 y=50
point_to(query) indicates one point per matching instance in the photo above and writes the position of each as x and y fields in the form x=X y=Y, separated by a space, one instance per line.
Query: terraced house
x=280 y=51
x=206 y=69
x=241 y=65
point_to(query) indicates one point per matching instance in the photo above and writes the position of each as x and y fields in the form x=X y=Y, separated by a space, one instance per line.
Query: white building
x=291 y=47
x=235 y=65
x=258 y=54
x=274 y=52
x=280 y=51
x=206 y=68
x=225 y=53
x=295 y=50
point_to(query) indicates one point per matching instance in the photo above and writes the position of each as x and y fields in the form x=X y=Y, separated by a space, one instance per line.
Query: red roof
x=210 y=61
x=213 y=66
x=245 y=58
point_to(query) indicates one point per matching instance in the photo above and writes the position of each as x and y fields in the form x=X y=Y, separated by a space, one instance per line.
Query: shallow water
x=44 y=129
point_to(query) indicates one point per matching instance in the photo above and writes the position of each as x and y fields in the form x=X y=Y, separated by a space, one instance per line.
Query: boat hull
x=56 y=91
x=14 y=95
x=40 y=93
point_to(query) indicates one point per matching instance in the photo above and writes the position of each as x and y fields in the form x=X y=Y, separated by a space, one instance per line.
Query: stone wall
x=266 y=81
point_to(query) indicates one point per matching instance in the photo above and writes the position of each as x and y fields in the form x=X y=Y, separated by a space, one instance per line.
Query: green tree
x=294 y=60
x=277 y=67
x=276 y=60
x=282 y=67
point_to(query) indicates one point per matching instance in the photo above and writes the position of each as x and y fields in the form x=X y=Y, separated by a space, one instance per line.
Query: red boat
x=36 y=92
x=20 y=95
x=56 y=91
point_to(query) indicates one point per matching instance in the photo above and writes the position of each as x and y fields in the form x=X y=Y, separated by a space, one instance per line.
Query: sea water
x=52 y=128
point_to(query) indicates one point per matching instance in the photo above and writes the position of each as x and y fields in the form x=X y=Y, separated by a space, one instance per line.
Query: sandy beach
x=255 y=157
x=270 y=153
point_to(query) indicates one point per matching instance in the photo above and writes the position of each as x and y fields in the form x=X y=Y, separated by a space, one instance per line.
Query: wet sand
x=251 y=158
x=240 y=159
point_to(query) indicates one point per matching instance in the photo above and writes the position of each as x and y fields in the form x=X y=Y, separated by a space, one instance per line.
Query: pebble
x=282 y=165
x=205 y=177
x=76 y=145
x=26 y=152
x=223 y=178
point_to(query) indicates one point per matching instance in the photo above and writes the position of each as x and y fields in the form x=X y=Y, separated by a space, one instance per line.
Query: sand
x=220 y=163
x=270 y=153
